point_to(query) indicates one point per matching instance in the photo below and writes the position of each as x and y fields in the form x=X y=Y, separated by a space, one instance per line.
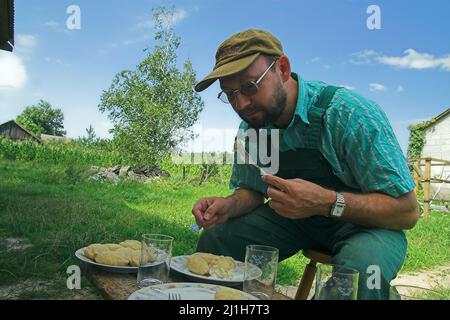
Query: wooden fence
x=426 y=179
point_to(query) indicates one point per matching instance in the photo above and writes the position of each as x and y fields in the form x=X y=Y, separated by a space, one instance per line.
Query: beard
x=270 y=114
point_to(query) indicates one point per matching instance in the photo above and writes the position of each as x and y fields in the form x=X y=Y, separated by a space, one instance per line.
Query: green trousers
x=351 y=245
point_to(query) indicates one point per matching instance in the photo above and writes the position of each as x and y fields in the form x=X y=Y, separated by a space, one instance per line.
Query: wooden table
x=119 y=286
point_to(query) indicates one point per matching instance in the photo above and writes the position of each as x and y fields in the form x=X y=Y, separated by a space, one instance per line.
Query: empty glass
x=156 y=253
x=334 y=282
x=260 y=273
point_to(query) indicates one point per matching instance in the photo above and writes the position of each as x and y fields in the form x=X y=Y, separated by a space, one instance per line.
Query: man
x=343 y=184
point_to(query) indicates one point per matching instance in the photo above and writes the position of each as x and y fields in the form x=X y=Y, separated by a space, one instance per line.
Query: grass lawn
x=38 y=204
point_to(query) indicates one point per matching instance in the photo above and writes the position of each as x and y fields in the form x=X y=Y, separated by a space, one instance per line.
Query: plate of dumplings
x=210 y=268
x=123 y=257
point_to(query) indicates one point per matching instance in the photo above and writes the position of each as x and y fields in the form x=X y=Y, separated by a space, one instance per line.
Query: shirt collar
x=301 y=109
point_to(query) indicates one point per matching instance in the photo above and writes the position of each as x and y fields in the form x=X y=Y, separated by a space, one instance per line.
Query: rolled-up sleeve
x=373 y=154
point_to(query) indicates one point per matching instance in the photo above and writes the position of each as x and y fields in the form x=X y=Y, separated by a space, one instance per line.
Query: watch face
x=339 y=210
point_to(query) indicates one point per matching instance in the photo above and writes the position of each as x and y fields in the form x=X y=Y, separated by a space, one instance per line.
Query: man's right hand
x=212 y=210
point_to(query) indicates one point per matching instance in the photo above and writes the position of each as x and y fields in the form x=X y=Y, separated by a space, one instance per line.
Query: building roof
x=18 y=125
x=438 y=118
x=7 y=25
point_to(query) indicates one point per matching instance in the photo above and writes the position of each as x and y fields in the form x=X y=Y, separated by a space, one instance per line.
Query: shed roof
x=22 y=128
x=438 y=118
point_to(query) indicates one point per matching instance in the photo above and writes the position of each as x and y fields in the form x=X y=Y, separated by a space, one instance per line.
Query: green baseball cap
x=238 y=52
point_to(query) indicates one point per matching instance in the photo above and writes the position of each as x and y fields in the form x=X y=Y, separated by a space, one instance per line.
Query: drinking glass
x=156 y=253
x=335 y=282
x=260 y=273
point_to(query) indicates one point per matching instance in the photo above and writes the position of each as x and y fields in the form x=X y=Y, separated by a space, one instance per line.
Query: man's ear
x=284 y=65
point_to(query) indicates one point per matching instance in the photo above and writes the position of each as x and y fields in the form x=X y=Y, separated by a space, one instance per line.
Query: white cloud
x=13 y=71
x=313 y=60
x=416 y=60
x=52 y=24
x=400 y=88
x=57 y=61
x=326 y=66
x=410 y=60
x=25 y=43
x=347 y=87
x=128 y=42
x=363 y=57
x=178 y=16
x=377 y=87
x=145 y=24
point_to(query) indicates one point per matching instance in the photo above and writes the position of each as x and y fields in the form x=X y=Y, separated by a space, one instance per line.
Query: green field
x=40 y=203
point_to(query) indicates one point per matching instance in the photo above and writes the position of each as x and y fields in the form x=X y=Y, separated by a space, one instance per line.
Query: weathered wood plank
x=119 y=286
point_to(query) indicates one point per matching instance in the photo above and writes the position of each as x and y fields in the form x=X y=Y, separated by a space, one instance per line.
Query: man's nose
x=241 y=101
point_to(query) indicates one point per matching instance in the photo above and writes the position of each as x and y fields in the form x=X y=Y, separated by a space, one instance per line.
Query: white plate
x=178 y=263
x=187 y=291
x=120 y=269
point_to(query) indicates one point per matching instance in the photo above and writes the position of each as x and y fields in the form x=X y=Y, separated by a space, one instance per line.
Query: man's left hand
x=297 y=198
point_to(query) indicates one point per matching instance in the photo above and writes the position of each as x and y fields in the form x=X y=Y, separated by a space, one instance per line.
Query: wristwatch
x=338 y=207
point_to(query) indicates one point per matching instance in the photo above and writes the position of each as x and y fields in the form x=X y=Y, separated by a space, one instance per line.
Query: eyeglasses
x=247 y=89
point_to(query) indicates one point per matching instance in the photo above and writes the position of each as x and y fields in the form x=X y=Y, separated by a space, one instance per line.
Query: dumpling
x=94 y=249
x=135 y=258
x=132 y=244
x=208 y=257
x=125 y=252
x=113 y=246
x=197 y=265
x=112 y=258
x=228 y=294
x=218 y=266
x=149 y=254
x=224 y=263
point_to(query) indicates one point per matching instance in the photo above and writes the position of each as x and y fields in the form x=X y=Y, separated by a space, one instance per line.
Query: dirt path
x=437 y=277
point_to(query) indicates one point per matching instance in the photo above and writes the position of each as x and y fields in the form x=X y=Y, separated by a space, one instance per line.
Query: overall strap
x=315 y=117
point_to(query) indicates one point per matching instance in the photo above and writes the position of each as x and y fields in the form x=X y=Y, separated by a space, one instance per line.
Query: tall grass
x=58 y=152
x=105 y=154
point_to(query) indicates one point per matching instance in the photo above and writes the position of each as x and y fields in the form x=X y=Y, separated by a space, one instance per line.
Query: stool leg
x=306 y=282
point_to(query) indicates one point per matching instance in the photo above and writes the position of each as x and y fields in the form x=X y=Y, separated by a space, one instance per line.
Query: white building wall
x=437 y=145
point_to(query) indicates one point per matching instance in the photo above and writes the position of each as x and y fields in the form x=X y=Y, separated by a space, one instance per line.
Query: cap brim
x=226 y=70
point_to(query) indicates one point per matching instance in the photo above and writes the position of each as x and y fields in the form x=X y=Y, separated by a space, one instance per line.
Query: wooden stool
x=310 y=271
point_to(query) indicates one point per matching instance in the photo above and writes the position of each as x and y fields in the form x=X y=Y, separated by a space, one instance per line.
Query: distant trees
x=42 y=119
x=154 y=106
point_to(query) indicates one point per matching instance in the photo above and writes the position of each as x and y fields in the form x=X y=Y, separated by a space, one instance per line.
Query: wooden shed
x=16 y=132
x=437 y=146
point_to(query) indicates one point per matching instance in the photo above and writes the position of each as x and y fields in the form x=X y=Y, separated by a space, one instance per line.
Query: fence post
x=426 y=189
x=416 y=177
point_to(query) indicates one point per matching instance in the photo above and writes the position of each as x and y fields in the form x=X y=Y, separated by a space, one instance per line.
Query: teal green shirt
x=357 y=140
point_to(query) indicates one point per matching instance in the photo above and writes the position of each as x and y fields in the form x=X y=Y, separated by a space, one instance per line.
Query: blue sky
x=404 y=66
